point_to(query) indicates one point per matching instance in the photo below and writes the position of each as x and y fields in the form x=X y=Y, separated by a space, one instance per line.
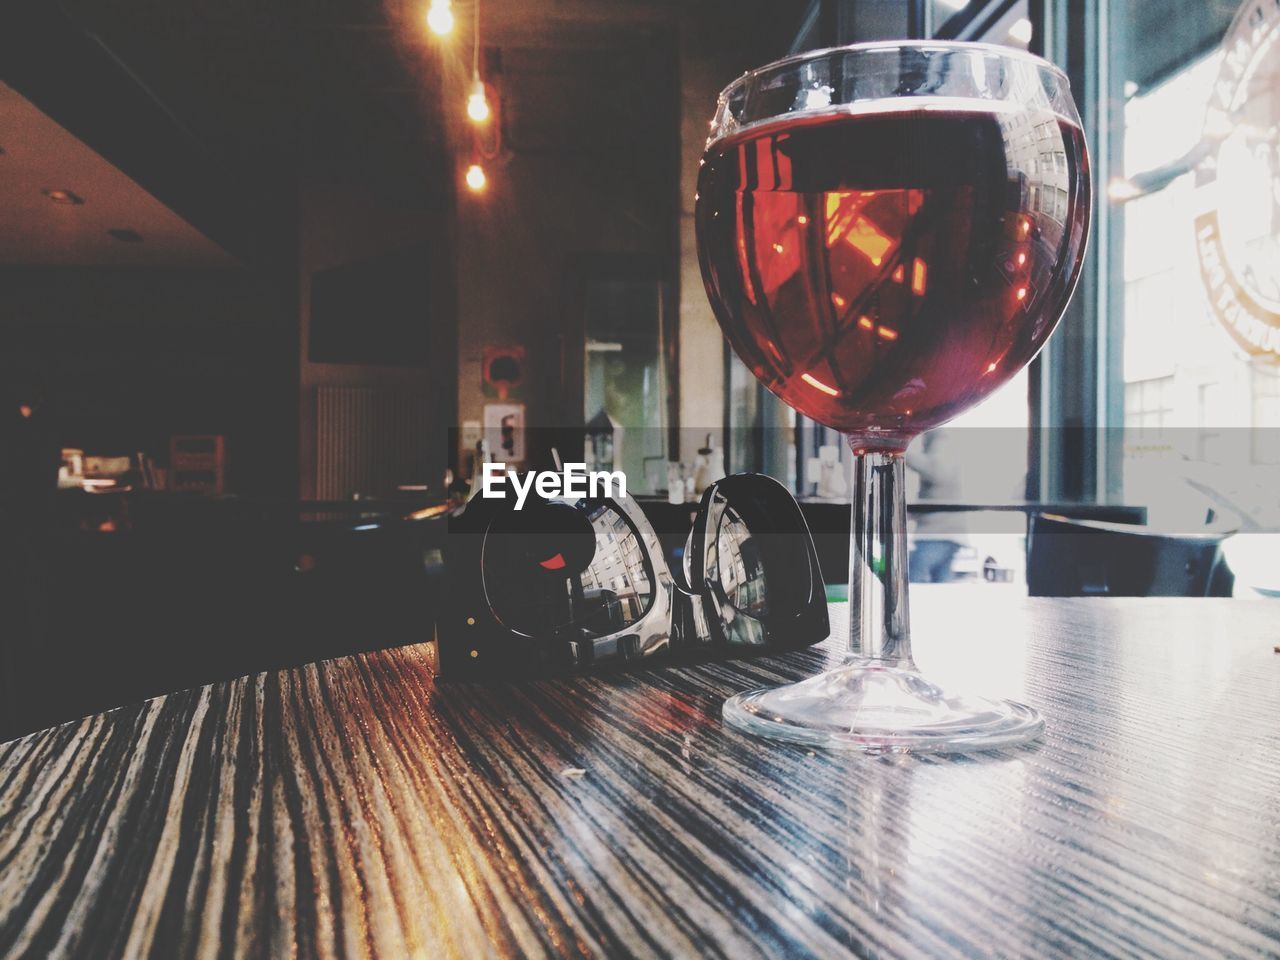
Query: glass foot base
x=865 y=705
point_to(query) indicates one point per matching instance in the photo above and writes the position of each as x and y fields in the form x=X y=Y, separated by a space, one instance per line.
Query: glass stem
x=879 y=620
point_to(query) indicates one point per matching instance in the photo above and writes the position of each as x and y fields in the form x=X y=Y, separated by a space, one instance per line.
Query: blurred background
x=289 y=271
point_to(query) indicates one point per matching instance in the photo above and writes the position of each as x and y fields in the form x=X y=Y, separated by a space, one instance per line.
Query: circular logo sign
x=1238 y=236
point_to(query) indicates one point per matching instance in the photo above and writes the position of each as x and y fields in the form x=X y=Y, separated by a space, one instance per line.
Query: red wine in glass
x=882 y=271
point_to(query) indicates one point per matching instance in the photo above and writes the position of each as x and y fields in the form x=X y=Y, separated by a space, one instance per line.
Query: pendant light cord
x=475 y=49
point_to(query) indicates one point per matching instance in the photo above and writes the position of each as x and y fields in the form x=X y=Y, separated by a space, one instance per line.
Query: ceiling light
x=63 y=196
x=478 y=103
x=440 y=17
x=476 y=179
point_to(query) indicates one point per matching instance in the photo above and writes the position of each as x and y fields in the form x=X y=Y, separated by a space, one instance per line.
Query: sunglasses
x=582 y=584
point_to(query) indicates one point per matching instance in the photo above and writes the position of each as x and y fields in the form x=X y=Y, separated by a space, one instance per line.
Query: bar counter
x=356 y=807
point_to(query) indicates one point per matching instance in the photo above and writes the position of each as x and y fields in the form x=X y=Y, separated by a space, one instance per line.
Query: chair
x=1081 y=558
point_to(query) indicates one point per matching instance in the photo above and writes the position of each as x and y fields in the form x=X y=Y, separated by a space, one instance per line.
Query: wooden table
x=357 y=808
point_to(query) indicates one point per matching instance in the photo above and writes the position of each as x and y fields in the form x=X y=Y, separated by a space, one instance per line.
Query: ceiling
x=40 y=155
x=360 y=88
x=258 y=97
x=341 y=89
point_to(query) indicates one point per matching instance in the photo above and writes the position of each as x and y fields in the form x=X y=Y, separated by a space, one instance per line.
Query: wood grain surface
x=357 y=808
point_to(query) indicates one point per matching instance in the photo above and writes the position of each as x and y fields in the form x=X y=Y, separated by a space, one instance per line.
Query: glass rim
x=1013 y=53
x=745 y=81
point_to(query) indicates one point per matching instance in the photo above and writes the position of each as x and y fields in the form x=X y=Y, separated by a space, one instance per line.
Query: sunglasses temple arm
x=879 y=627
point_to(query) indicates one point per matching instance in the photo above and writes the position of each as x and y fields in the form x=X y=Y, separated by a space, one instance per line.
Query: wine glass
x=888 y=232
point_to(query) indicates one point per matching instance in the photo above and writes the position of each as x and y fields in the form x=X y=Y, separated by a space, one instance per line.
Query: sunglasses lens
x=738 y=561
x=759 y=557
x=556 y=568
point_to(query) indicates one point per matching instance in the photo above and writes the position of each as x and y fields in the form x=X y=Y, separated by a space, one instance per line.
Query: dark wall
x=344 y=222
x=127 y=357
x=589 y=171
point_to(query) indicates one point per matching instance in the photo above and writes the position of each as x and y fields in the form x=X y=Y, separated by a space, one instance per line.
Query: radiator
x=368 y=441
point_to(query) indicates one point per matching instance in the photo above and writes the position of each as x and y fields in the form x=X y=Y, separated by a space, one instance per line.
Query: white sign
x=1238 y=236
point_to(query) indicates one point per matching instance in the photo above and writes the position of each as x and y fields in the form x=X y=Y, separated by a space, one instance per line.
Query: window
x=1265 y=435
x=624 y=369
x=1189 y=227
x=1148 y=404
x=1171 y=347
x=1211 y=448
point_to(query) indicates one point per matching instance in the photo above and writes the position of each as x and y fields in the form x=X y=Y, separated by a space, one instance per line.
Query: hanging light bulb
x=440 y=17
x=476 y=178
x=477 y=102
